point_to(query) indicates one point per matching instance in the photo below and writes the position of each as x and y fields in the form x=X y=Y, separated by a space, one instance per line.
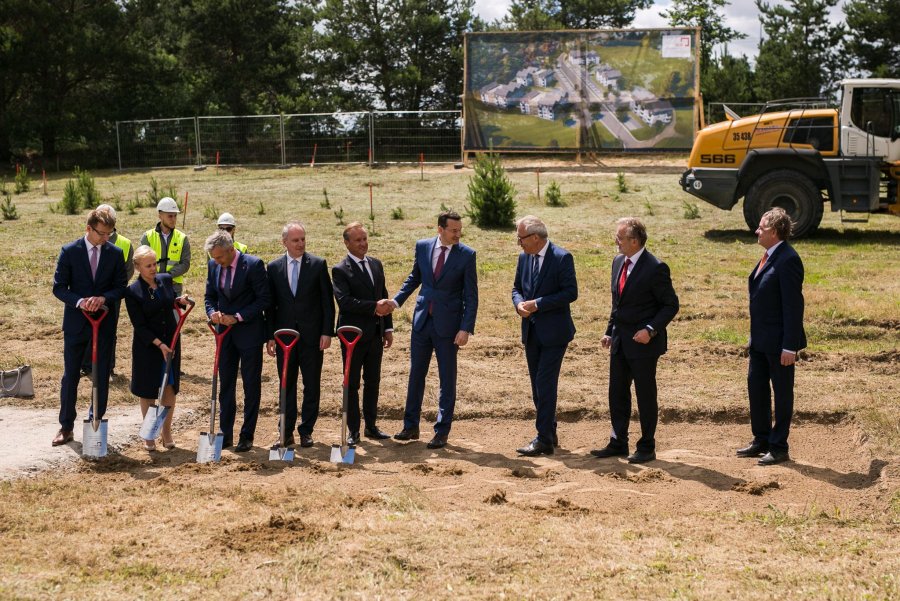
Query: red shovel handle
x=96 y=318
x=182 y=313
x=342 y=335
x=220 y=336
x=294 y=337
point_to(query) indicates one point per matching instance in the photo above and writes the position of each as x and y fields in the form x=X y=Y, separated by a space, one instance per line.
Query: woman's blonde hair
x=142 y=252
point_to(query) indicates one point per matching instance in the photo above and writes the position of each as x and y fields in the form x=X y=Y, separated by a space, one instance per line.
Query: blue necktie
x=535 y=270
x=295 y=275
x=226 y=285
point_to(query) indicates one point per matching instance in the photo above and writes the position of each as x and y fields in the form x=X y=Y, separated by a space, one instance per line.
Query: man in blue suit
x=443 y=320
x=90 y=273
x=237 y=293
x=543 y=289
x=776 y=334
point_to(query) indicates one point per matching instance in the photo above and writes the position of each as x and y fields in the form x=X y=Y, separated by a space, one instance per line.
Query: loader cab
x=870 y=118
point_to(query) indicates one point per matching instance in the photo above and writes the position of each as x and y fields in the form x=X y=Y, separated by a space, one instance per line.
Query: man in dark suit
x=543 y=289
x=302 y=300
x=776 y=334
x=90 y=273
x=358 y=286
x=237 y=293
x=443 y=320
x=643 y=304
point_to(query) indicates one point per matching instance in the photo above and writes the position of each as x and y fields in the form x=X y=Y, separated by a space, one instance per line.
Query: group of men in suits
x=295 y=291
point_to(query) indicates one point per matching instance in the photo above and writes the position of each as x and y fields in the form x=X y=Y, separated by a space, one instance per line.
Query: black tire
x=790 y=190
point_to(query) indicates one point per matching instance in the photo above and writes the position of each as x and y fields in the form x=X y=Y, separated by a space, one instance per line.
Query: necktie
x=624 y=276
x=362 y=265
x=95 y=260
x=440 y=262
x=535 y=270
x=762 y=263
x=226 y=283
x=295 y=275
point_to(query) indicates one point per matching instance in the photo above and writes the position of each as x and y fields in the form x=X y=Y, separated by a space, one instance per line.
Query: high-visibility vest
x=123 y=243
x=176 y=243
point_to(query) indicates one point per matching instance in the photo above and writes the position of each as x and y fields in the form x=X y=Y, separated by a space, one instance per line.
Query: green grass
x=513 y=129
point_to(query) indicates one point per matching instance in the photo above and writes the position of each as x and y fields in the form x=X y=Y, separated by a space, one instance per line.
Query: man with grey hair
x=776 y=335
x=237 y=293
x=643 y=304
x=543 y=290
x=302 y=300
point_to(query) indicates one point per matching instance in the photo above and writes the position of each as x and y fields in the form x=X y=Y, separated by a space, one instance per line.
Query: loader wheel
x=790 y=190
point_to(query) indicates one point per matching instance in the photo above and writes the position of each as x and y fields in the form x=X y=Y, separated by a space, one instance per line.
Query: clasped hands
x=384 y=307
x=526 y=308
x=217 y=317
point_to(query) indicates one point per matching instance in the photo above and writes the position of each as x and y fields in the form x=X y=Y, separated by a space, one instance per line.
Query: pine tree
x=491 y=202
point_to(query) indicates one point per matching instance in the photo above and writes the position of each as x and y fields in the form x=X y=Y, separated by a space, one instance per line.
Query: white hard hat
x=226 y=219
x=167 y=205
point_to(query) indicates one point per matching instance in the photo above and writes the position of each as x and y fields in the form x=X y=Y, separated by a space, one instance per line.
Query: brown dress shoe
x=62 y=437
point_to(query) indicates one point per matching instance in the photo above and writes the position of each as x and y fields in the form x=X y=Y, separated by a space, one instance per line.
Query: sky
x=741 y=15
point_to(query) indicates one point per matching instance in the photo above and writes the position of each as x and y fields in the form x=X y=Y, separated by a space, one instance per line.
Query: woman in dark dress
x=149 y=300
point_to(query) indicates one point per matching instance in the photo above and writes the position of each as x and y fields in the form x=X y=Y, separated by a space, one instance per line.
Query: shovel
x=344 y=453
x=209 y=448
x=93 y=438
x=280 y=452
x=156 y=415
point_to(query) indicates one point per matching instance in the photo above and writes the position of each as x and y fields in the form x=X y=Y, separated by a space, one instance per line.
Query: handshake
x=384 y=307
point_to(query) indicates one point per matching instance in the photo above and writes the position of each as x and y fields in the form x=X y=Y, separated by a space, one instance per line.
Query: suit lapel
x=545 y=266
x=449 y=260
x=636 y=272
x=361 y=273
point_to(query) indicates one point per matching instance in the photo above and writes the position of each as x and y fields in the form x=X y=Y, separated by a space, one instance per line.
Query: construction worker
x=226 y=222
x=170 y=245
x=128 y=254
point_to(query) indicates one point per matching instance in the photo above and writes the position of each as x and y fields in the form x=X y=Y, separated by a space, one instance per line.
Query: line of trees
x=70 y=69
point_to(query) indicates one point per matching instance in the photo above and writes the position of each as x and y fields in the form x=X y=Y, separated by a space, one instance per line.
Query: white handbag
x=17 y=382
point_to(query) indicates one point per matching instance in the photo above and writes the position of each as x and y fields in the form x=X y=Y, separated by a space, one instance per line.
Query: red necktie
x=440 y=263
x=624 y=276
x=762 y=263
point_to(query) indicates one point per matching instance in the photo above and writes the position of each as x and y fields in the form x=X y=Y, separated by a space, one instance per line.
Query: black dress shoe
x=306 y=440
x=641 y=456
x=289 y=441
x=227 y=442
x=610 y=451
x=407 y=434
x=244 y=444
x=754 y=449
x=534 y=448
x=353 y=439
x=773 y=457
x=438 y=442
x=374 y=433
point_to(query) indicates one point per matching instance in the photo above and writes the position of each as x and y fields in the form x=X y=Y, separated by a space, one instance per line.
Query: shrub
x=261 y=209
x=211 y=212
x=621 y=184
x=157 y=192
x=71 y=202
x=9 y=209
x=325 y=204
x=397 y=214
x=340 y=215
x=648 y=207
x=23 y=183
x=86 y=189
x=491 y=202
x=691 y=211
x=554 y=195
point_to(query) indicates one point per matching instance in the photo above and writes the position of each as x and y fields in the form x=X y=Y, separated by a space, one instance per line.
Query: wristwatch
x=650 y=329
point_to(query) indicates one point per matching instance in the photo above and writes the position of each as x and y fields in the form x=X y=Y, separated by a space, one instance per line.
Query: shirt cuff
x=395 y=303
x=78 y=304
x=238 y=316
x=389 y=330
x=784 y=350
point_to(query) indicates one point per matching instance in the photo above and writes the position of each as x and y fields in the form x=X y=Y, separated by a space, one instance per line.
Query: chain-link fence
x=324 y=138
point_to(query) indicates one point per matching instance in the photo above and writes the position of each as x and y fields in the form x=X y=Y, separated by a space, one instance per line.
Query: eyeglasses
x=524 y=237
x=102 y=234
x=227 y=228
x=625 y=238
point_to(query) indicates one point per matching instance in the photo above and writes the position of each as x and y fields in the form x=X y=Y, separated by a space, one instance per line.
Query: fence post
x=118 y=149
x=371 y=139
x=197 y=135
x=281 y=127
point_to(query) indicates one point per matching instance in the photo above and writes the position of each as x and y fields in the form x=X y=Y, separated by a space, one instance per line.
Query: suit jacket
x=454 y=293
x=249 y=296
x=648 y=298
x=72 y=281
x=311 y=310
x=356 y=296
x=776 y=303
x=556 y=289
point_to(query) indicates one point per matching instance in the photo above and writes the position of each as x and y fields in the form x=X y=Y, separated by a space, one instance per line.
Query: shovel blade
x=209 y=449
x=153 y=422
x=93 y=442
x=346 y=457
x=279 y=453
